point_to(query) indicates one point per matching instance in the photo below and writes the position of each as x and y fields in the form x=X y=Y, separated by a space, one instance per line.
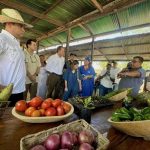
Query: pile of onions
x=67 y=140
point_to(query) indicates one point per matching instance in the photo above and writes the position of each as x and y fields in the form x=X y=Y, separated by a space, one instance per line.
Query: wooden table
x=12 y=130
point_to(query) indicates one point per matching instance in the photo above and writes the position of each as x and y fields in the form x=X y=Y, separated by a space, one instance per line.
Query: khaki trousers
x=32 y=89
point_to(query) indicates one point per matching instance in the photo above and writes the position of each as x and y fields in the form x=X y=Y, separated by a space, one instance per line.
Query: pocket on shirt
x=12 y=54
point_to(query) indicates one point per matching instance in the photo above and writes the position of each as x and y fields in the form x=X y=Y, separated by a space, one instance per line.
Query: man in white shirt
x=106 y=81
x=114 y=71
x=12 y=65
x=33 y=65
x=54 y=67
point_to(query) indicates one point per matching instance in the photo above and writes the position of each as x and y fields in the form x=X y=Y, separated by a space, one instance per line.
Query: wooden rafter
x=35 y=31
x=123 y=30
x=57 y=40
x=28 y=10
x=98 y=5
x=86 y=28
x=108 y=9
x=48 y=10
x=119 y=25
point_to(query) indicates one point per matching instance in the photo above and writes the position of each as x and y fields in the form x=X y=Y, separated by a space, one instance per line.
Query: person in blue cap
x=87 y=72
x=72 y=81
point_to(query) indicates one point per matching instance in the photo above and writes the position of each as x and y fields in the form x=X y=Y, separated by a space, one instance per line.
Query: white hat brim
x=4 y=19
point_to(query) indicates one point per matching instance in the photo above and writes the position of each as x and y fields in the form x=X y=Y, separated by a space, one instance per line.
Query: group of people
x=68 y=77
x=31 y=73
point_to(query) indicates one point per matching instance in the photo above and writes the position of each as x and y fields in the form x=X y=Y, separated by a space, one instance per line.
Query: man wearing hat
x=12 y=64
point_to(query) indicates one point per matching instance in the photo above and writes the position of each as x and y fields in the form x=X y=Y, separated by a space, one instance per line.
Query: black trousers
x=14 y=98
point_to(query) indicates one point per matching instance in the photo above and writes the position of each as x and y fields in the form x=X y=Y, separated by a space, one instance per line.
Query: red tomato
x=42 y=111
x=45 y=105
x=29 y=111
x=35 y=102
x=36 y=113
x=66 y=107
x=56 y=102
x=60 y=111
x=21 y=105
x=49 y=100
x=51 y=112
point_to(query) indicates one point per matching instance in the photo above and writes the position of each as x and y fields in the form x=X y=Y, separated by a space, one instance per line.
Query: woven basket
x=119 y=96
x=3 y=107
x=31 y=140
x=133 y=128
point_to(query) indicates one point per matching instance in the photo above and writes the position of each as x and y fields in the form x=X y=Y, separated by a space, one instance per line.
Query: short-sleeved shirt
x=12 y=65
x=133 y=82
x=72 y=78
x=32 y=63
x=55 y=64
x=114 y=73
x=106 y=81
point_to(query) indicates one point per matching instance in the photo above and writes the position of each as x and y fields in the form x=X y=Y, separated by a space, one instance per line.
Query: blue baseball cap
x=88 y=58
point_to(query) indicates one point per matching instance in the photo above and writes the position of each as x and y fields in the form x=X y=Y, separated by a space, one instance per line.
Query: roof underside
x=52 y=19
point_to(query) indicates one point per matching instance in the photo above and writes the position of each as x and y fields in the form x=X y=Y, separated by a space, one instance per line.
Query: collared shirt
x=114 y=72
x=12 y=65
x=133 y=82
x=55 y=64
x=32 y=63
x=106 y=81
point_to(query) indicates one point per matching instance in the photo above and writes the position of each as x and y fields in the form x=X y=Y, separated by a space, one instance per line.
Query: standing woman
x=87 y=72
x=72 y=81
x=42 y=78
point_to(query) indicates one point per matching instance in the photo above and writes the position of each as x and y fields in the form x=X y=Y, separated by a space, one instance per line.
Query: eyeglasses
x=135 y=61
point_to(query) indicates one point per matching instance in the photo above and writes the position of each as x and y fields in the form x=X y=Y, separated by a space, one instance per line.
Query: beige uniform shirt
x=32 y=63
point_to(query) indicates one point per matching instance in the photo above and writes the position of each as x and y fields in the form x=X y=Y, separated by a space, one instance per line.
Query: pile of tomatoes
x=38 y=107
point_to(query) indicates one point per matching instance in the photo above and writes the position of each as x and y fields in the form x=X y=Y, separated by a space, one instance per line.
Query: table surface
x=12 y=130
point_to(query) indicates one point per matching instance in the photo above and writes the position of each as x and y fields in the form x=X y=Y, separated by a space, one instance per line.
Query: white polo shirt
x=32 y=63
x=12 y=65
x=106 y=81
x=55 y=64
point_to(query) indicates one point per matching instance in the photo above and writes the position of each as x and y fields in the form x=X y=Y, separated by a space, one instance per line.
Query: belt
x=53 y=73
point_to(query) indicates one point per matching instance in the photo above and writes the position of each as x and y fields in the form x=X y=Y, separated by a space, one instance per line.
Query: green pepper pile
x=113 y=93
x=133 y=114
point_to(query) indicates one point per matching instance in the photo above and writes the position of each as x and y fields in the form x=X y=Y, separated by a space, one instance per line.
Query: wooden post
x=92 y=49
x=37 y=50
x=67 y=44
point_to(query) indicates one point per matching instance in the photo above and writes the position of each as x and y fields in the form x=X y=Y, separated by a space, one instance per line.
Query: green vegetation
x=133 y=114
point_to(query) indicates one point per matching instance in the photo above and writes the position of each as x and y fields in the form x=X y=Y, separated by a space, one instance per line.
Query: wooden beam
x=86 y=28
x=59 y=41
x=28 y=10
x=47 y=10
x=110 y=47
x=108 y=9
x=67 y=44
x=119 y=25
x=35 y=31
x=92 y=50
x=97 y=5
x=123 y=30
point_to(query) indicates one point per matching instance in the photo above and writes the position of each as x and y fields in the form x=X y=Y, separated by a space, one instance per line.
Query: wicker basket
x=119 y=96
x=30 y=140
x=133 y=128
x=3 y=107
